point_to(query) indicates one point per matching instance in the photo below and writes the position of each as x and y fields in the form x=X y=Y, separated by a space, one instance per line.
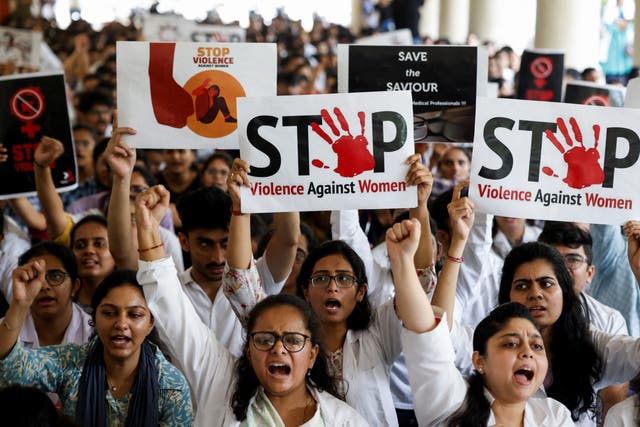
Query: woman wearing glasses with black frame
x=281 y=378
x=362 y=343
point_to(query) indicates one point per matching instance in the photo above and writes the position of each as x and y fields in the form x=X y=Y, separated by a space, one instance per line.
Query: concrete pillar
x=430 y=19
x=505 y=22
x=570 y=25
x=454 y=20
x=356 y=17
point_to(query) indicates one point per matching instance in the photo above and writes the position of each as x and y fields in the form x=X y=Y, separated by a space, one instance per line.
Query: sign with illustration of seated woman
x=325 y=152
x=32 y=106
x=183 y=95
x=556 y=161
x=444 y=82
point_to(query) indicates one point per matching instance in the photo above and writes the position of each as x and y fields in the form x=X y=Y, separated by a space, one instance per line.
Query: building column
x=570 y=25
x=454 y=20
x=430 y=19
x=504 y=22
x=356 y=17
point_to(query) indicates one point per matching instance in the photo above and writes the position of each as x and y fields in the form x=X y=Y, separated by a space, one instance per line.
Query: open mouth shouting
x=537 y=310
x=524 y=375
x=332 y=305
x=279 y=369
x=120 y=341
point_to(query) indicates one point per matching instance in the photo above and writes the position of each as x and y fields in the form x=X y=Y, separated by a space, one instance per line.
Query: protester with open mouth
x=362 y=343
x=281 y=377
x=508 y=356
x=117 y=378
x=583 y=360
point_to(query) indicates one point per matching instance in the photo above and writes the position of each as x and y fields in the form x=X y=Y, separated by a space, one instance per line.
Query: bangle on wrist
x=455 y=259
x=39 y=165
x=159 y=245
x=235 y=212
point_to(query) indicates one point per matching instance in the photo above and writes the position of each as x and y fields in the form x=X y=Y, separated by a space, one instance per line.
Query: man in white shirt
x=205 y=216
x=575 y=245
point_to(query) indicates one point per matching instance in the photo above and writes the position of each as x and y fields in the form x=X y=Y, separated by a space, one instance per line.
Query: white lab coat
x=439 y=389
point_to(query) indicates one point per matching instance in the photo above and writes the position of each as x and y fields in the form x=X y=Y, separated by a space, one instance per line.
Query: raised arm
x=48 y=151
x=420 y=176
x=33 y=218
x=27 y=282
x=412 y=304
x=280 y=253
x=632 y=231
x=121 y=159
x=239 y=253
x=461 y=216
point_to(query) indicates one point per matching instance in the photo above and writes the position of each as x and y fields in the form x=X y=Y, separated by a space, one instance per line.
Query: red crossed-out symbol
x=601 y=100
x=27 y=104
x=541 y=68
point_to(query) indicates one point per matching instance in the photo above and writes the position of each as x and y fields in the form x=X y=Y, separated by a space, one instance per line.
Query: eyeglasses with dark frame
x=293 y=342
x=55 y=277
x=342 y=280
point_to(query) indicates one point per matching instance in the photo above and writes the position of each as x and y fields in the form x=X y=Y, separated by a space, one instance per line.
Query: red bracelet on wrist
x=236 y=213
x=455 y=259
x=159 y=245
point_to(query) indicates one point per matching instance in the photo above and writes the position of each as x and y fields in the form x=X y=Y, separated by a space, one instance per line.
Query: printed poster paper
x=183 y=95
x=444 y=82
x=325 y=152
x=21 y=47
x=31 y=106
x=556 y=161
x=541 y=75
x=587 y=93
x=172 y=28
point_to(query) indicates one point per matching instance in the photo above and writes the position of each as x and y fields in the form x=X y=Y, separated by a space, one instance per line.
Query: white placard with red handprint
x=326 y=152
x=556 y=161
x=183 y=95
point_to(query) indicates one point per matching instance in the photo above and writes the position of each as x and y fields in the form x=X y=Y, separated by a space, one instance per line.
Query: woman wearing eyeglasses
x=362 y=343
x=54 y=318
x=281 y=378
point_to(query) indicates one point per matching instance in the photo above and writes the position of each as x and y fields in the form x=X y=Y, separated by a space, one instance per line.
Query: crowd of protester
x=146 y=297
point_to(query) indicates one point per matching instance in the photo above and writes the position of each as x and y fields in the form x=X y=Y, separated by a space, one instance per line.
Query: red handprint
x=353 y=155
x=583 y=169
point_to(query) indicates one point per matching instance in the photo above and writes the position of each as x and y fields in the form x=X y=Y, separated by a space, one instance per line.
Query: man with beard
x=206 y=214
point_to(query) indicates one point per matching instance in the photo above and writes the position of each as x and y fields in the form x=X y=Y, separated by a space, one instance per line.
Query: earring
x=480 y=371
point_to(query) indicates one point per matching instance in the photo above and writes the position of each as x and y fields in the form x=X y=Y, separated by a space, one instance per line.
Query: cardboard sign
x=31 y=106
x=172 y=28
x=556 y=161
x=183 y=95
x=324 y=152
x=444 y=82
x=21 y=47
x=541 y=75
x=587 y=93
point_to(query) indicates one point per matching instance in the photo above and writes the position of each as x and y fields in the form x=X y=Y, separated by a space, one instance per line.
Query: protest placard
x=541 y=75
x=22 y=47
x=444 y=82
x=324 y=152
x=588 y=93
x=183 y=95
x=175 y=28
x=555 y=161
x=31 y=106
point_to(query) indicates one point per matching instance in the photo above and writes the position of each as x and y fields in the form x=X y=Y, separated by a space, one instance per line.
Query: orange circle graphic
x=214 y=96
